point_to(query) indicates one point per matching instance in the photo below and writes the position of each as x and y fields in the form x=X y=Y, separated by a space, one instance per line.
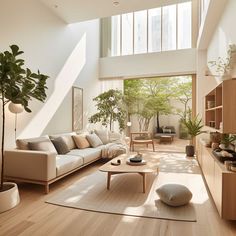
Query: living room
x=62 y=39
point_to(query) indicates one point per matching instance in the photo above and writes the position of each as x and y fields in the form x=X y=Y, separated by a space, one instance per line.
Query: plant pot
x=9 y=198
x=189 y=149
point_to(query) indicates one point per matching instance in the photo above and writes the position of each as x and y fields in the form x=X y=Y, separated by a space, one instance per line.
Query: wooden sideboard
x=220 y=181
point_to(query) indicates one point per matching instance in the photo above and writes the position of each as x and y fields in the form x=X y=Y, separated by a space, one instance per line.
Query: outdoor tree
x=110 y=109
x=183 y=94
x=159 y=95
x=132 y=96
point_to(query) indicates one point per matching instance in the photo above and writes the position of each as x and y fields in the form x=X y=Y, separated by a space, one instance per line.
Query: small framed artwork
x=77 y=108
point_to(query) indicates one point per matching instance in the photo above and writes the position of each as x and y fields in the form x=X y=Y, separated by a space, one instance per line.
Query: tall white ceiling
x=81 y=10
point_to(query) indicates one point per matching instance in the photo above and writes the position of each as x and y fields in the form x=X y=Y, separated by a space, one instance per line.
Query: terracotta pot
x=189 y=150
x=9 y=198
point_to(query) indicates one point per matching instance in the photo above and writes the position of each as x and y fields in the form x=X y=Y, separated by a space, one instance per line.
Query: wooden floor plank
x=35 y=217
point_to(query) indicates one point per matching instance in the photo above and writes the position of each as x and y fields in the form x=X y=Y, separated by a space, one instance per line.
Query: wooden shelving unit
x=220 y=107
x=220 y=182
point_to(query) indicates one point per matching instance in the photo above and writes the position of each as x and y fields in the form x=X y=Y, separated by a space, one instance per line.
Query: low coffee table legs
x=109 y=174
x=108 y=180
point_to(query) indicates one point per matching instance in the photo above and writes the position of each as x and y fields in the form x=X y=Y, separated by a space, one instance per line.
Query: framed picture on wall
x=77 y=108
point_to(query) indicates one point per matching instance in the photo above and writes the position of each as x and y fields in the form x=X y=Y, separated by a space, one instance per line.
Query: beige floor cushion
x=174 y=194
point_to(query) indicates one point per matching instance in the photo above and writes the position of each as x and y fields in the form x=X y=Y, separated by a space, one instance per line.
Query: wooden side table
x=166 y=139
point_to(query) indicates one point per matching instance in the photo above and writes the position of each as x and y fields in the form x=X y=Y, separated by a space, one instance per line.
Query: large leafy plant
x=18 y=85
x=110 y=109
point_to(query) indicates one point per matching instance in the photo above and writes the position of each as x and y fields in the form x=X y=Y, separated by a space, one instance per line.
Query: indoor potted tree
x=194 y=126
x=110 y=109
x=17 y=85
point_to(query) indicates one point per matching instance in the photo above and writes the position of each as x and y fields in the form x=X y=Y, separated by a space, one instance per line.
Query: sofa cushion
x=67 y=137
x=166 y=131
x=45 y=145
x=174 y=194
x=22 y=144
x=65 y=163
x=172 y=128
x=103 y=135
x=81 y=141
x=94 y=140
x=60 y=145
x=88 y=154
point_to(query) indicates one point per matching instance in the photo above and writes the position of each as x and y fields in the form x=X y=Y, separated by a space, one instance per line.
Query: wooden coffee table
x=151 y=166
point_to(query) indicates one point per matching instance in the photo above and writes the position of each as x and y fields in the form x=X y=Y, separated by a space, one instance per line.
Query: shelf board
x=213 y=128
x=214 y=108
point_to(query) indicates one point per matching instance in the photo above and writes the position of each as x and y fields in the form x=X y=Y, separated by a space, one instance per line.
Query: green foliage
x=224 y=65
x=18 y=85
x=110 y=109
x=147 y=98
x=228 y=139
x=182 y=92
x=193 y=125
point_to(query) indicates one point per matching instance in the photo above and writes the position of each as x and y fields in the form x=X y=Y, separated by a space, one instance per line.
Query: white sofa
x=46 y=167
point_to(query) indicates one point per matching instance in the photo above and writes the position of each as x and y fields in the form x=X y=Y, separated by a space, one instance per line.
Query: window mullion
x=133 y=32
x=147 y=31
x=161 y=28
x=121 y=53
x=176 y=47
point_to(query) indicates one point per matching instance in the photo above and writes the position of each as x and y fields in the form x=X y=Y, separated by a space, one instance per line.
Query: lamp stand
x=15 y=124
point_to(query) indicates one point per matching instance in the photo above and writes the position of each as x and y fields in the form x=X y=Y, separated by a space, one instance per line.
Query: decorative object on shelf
x=210 y=104
x=228 y=165
x=194 y=126
x=18 y=85
x=233 y=166
x=16 y=109
x=215 y=145
x=77 y=104
x=227 y=141
x=223 y=66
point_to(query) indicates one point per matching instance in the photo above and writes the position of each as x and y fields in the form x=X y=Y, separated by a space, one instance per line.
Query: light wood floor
x=34 y=217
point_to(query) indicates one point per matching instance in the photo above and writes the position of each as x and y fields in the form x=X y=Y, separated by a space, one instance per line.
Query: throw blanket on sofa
x=112 y=150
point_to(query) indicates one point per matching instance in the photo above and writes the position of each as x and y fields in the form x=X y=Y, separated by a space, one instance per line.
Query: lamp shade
x=15 y=108
x=128 y=123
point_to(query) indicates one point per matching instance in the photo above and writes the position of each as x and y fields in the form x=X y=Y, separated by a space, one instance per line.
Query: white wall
x=167 y=63
x=67 y=53
x=224 y=35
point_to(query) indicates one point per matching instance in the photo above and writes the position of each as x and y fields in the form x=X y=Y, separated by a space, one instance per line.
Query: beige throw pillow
x=94 y=140
x=22 y=144
x=174 y=194
x=103 y=135
x=42 y=146
x=81 y=141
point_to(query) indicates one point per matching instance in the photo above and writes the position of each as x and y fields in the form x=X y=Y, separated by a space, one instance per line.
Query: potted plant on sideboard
x=17 y=85
x=194 y=126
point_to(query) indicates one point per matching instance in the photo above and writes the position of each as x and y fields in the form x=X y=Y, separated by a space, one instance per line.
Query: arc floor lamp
x=16 y=109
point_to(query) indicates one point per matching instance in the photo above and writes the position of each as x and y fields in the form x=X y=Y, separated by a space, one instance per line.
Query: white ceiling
x=72 y=11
